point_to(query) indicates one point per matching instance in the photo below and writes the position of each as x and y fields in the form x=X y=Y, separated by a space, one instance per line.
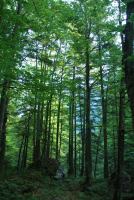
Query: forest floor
x=34 y=186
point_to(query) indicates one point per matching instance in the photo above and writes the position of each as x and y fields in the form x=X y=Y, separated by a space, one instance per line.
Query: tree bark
x=82 y=132
x=121 y=126
x=71 y=129
x=121 y=132
x=88 y=154
x=129 y=54
x=3 y=119
x=58 y=119
x=97 y=152
x=104 y=117
x=75 y=143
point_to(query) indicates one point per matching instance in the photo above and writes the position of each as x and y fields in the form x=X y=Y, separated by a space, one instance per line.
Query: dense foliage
x=66 y=85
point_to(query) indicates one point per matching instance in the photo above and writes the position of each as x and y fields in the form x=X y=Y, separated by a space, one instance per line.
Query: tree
x=129 y=53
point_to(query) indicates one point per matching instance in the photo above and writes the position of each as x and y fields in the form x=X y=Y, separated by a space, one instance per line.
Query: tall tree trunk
x=20 y=152
x=121 y=127
x=58 y=118
x=4 y=94
x=58 y=126
x=22 y=158
x=45 y=135
x=71 y=139
x=121 y=132
x=82 y=131
x=49 y=132
x=37 y=137
x=97 y=152
x=115 y=126
x=104 y=117
x=114 y=150
x=88 y=154
x=75 y=143
x=3 y=120
x=60 y=142
x=128 y=51
x=71 y=129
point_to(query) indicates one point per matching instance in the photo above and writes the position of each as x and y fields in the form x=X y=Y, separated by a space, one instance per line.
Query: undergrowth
x=35 y=186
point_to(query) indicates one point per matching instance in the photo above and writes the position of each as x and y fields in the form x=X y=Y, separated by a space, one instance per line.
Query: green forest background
x=67 y=98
